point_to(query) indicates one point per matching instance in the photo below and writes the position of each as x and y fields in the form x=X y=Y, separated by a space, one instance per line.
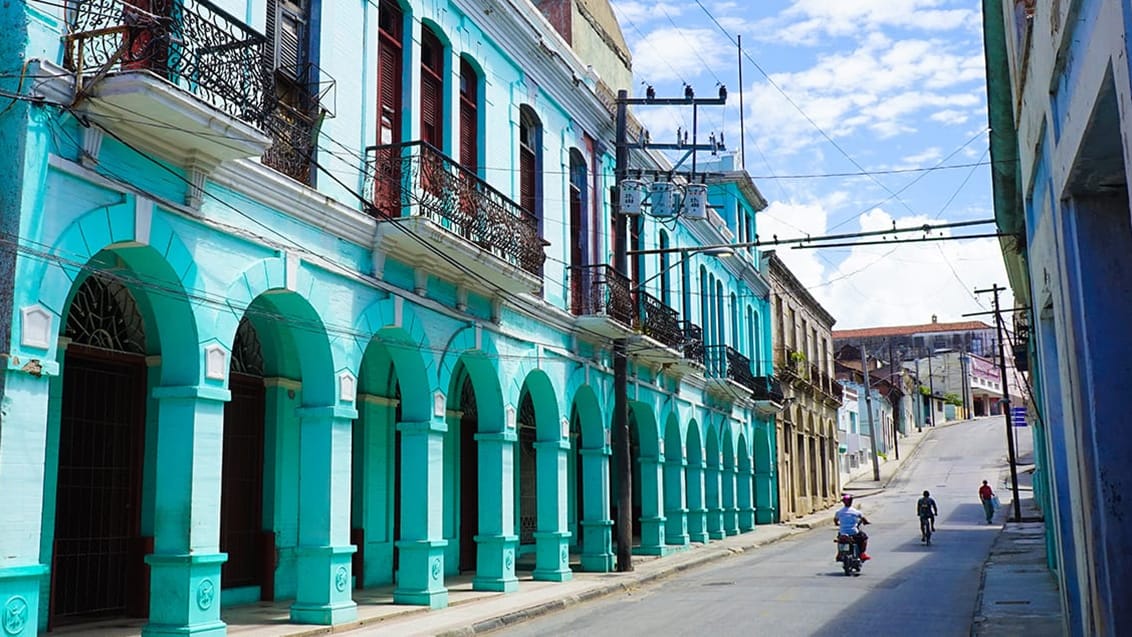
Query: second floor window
x=530 y=163
x=389 y=55
x=432 y=89
x=469 y=117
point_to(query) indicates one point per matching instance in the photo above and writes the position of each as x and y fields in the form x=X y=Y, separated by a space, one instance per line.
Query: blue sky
x=833 y=87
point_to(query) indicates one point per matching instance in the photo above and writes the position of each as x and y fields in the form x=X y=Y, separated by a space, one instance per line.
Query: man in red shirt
x=986 y=494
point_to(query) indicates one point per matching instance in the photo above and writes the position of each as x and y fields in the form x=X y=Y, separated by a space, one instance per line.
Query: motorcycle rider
x=848 y=520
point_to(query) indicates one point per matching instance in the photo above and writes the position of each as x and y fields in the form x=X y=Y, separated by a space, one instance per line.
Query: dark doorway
x=241 y=494
x=469 y=477
x=97 y=561
x=527 y=515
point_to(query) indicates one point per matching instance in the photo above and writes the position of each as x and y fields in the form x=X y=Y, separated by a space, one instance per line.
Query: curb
x=630 y=584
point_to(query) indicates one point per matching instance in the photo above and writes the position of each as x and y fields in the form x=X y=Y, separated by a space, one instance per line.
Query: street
x=794 y=587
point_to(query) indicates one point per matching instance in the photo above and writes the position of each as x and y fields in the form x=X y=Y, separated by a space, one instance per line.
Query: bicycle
x=926 y=530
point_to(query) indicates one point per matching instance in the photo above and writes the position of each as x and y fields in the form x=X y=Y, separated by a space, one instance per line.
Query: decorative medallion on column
x=206 y=594
x=15 y=615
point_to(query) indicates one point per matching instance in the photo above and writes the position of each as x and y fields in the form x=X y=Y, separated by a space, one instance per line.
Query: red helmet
x=847 y=499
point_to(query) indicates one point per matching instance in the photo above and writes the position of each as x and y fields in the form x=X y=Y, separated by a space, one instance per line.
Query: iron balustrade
x=304 y=97
x=415 y=178
x=767 y=388
x=724 y=361
x=693 y=342
x=192 y=44
x=293 y=143
x=599 y=289
x=658 y=321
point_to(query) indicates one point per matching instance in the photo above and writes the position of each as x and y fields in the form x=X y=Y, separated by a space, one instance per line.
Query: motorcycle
x=849 y=554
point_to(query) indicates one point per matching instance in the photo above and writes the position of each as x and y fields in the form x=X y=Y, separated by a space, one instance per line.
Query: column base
x=652 y=537
x=746 y=519
x=597 y=546
x=324 y=593
x=552 y=556
x=766 y=515
x=676 y=527
x=19 y=594
x=420 y=578
x=495 y=563
x=715 y=524
x=194 y=577
x=697 y=526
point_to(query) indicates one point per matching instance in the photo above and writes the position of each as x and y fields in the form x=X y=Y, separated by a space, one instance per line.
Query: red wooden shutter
x=527 y=179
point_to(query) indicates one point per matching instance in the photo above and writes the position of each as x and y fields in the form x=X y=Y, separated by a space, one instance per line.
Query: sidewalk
x=1018 y=595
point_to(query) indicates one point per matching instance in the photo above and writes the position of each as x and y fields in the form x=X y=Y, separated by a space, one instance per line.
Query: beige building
x=808 y=477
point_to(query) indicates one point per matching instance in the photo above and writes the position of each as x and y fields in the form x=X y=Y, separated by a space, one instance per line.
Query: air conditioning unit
x=663 y=198
x=695 y=202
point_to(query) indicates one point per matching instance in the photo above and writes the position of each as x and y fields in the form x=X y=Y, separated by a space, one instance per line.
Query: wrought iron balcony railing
x=193 y=44
x=768 y=388
x=415 y=178
x=693 y=342
x=599 y=289
x=304 y=97
x=293 y=143
x=658 y=321
x=724 y=361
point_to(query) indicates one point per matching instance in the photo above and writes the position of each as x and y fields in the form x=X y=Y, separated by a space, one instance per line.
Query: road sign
x=1018 y=416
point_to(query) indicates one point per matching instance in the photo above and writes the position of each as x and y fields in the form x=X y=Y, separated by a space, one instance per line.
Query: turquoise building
x=303 y=297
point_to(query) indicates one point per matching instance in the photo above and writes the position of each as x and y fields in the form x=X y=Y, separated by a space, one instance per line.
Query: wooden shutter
x=431 y=107
x=527 y=179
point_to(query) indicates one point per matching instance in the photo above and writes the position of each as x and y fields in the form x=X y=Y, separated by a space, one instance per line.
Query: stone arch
x=475 y=349
x=400 y=331
x=156 y=259
x=713 y=482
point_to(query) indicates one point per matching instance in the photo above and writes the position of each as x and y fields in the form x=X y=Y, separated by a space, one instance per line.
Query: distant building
x=807 y=429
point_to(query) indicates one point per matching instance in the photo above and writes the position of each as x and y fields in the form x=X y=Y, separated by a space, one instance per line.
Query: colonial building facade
x=305 y=297
x=1059 y=97
x=809 y=478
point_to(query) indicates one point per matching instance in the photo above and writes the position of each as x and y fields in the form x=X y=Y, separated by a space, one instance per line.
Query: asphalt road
x=794 y=587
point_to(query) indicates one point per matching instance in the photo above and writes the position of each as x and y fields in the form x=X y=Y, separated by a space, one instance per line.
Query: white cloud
x=673 y=53
x=807 y=21
x=640 y=13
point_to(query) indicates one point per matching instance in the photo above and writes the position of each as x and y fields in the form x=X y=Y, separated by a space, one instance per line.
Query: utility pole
x=1006 y=401
x=931 y=385
x=622 y=461
x=869 y=407
x=897 y=410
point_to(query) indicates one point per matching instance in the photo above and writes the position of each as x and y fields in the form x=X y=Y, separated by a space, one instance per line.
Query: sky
x=858 y=115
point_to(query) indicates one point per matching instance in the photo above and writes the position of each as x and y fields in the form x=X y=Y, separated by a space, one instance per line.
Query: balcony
x=668 y=341
x=304 y=98
x=601 y=300
x=186 y=82
x=767 y=392
x=728 y=371
x=428 y=203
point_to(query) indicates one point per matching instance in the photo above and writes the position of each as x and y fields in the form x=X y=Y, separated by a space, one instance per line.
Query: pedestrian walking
x=986 y=495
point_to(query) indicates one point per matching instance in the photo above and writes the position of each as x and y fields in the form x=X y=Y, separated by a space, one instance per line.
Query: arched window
x=432 y=88
x=530 y=163
x=469 y=117
x=736 y=342
x=389 y=55
x=578 y=231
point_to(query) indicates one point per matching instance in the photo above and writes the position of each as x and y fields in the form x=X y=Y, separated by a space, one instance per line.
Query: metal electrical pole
x=622 y=456
x=1006 y=401
x=869 y=407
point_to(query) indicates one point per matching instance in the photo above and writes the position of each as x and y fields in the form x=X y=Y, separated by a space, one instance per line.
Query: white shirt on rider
x=848 y=519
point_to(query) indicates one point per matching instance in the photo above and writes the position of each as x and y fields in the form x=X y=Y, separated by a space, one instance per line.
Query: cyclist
x=926 y=509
